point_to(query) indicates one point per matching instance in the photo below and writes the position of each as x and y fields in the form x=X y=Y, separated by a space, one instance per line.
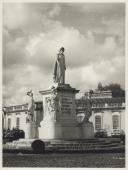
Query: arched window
x=97 y=122
x=9 y=123
x=115 y=120
x=17 y=122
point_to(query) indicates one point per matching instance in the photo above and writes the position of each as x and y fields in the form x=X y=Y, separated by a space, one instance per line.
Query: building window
x=17 y=122
x=97 y=122
x=9 y=108
x=115 y=104
x=27 y=119
x=9 y=123
x=19 y=107
x=101 y=105
x=93 y=105
x=115 y=121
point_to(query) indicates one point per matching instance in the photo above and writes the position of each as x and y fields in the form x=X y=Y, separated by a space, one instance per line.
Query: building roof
x=108 y=100
x=84 y=103
x=101 y=100
x=23 y=107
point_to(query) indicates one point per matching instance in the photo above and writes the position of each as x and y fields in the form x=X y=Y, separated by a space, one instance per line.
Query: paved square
x=114 y=160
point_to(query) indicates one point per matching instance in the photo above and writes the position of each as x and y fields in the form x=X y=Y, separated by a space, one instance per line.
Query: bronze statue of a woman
x=60 y=67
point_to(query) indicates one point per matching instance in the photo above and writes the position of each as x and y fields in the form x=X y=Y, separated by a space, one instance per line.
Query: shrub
x=119 y=134
x=101 y=133
x=122 y=136
x=13 y=134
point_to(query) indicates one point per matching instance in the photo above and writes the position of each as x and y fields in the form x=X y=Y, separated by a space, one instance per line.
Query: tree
x=100 y=86
x=115 y=88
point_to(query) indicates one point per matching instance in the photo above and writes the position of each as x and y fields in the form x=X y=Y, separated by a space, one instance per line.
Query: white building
x=107 y=113
x=16 y=116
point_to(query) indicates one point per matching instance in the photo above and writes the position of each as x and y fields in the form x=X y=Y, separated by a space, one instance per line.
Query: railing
x=111 y=105
x=16 y=108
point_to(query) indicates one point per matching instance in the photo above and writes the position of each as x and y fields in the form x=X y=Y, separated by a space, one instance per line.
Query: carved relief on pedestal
x=51 y=107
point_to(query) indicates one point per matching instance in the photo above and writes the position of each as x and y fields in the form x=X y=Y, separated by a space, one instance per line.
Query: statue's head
x=62 y=49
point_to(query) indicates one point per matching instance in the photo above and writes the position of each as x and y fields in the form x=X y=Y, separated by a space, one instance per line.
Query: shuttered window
x=115 y=121
x=97 y=122
x=17 y=122
x=9 y=123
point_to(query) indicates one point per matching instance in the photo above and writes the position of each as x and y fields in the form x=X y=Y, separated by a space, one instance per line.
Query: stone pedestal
x=31 y=131
x=50 y=130
x=86 y=130
x=59 y=117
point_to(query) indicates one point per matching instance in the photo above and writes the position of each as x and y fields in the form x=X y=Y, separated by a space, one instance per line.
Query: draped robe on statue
x=59 y=69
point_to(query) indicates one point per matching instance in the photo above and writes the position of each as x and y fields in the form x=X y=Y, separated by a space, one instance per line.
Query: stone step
x=24 y=143
x=85 y=144
x=62 y=145
x=76 y=141
x=70 y=147
x=85 y=149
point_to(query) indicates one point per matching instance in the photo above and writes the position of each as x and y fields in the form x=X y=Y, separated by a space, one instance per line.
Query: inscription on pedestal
x=66 y=105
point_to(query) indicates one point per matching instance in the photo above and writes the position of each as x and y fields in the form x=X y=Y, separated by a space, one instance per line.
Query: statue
x=31 y=115
x=59 y=68
x=88 y=110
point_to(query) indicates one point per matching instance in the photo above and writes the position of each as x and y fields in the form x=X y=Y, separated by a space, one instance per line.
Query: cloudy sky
x=93 y=35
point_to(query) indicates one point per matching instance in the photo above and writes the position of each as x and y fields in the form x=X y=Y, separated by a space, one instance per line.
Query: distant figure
x=59 y=68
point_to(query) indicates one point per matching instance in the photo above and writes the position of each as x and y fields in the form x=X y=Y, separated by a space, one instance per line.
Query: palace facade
x=16 y=116
x=107 y=113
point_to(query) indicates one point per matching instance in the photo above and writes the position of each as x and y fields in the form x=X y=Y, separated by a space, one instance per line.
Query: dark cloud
x=92 y=34
x=88 y=16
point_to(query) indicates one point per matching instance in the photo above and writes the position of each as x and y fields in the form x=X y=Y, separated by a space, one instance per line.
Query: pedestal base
x=54 y=130
x=50 y=130
x=76 y=131
x=31 y=131
x=86 y=131
x=59 y=115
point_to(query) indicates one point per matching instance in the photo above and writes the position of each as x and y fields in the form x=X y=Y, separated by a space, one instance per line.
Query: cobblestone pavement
x=64 y=160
